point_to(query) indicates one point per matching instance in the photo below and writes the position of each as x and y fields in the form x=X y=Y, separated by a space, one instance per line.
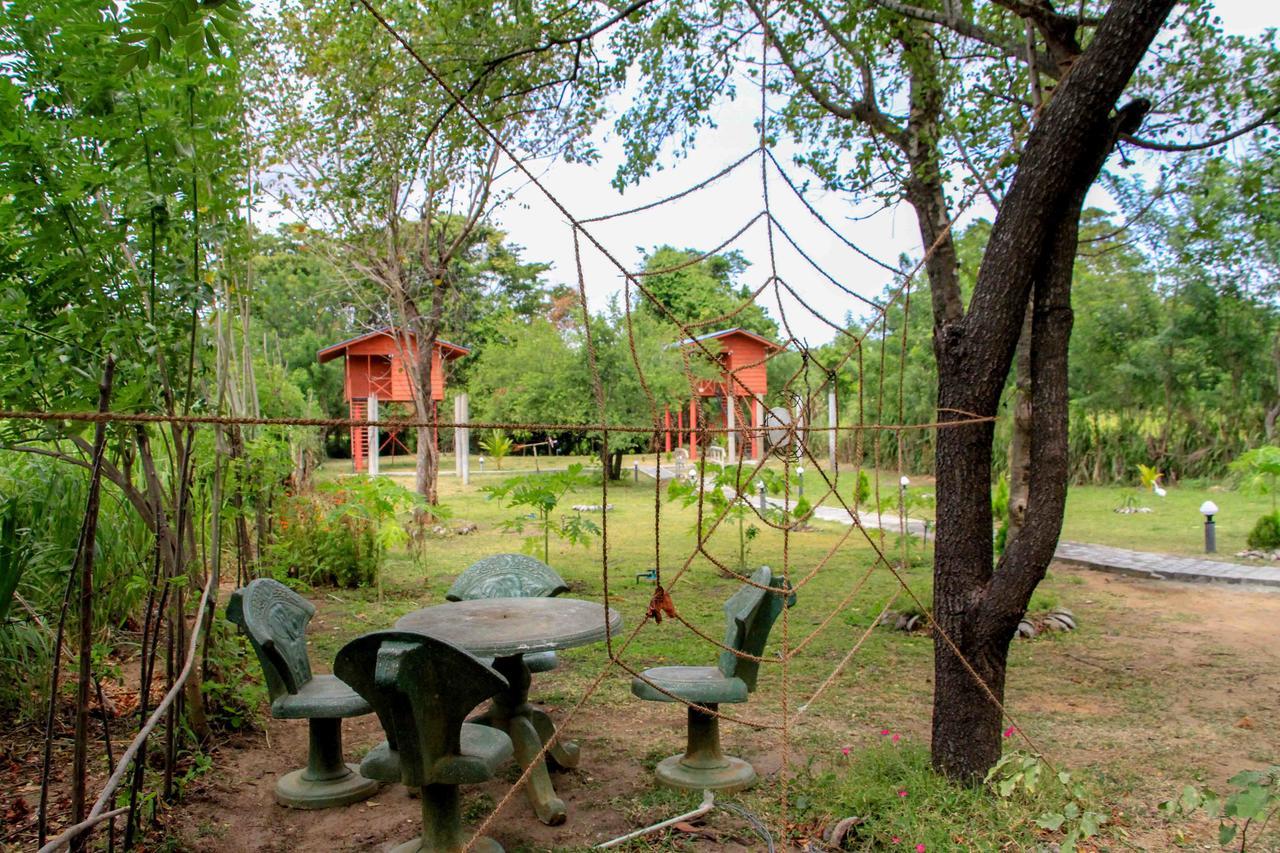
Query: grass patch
x=902 y=803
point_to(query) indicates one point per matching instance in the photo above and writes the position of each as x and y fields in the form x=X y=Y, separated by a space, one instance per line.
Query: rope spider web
x=796 y=437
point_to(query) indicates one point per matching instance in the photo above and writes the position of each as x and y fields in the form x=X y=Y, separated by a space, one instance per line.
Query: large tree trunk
x=426 y=330
x=1032 y=248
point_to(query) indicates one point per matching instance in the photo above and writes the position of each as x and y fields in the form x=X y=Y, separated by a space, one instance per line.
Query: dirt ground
x=1165 y=684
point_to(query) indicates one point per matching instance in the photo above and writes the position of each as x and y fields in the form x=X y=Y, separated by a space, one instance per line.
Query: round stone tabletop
x=501 y=627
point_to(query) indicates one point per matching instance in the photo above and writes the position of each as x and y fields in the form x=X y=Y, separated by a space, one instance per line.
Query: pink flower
x=919 y=848
x=844 y=750
x=897 y=840
x=1009 y=731
x=896 y=738
x=884 y=732
x=902 y=793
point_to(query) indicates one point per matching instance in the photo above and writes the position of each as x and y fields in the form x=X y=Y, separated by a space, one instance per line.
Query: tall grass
x=42 y=504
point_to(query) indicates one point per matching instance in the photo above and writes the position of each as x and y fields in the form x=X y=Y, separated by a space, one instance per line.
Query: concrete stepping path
x=1100 y=557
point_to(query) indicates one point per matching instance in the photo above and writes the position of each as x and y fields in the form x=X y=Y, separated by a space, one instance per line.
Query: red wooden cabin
x=741 y=387
x=375 y=367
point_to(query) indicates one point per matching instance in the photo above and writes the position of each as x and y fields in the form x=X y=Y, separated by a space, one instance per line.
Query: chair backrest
x=507 y=576
x=749 y=616
x=275 y=619
x=422 y=690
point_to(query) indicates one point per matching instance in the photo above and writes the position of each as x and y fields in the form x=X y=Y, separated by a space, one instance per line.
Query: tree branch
x=967 y=28
x=1152 y=145
x=863 y=109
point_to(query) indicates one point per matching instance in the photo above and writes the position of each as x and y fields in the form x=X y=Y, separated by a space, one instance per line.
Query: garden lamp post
x=1209 y=509
x=800 y=477
x=481 y=464
x=635 y=467
x=760 y=488
x=902 y=493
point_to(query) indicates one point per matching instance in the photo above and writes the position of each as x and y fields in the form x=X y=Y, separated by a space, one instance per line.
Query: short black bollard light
x=636 y=469
x=1209 y=509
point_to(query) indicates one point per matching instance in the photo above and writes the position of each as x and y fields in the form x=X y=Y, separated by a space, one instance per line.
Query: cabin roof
x=329 y=353
x=724 y=333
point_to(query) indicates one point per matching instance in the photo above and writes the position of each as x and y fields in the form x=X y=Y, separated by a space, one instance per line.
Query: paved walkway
x=1102 y=557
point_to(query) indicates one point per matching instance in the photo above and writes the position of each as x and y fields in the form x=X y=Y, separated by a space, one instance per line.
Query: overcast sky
x=710 y=216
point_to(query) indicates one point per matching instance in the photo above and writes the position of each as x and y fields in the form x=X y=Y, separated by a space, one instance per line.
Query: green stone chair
x=422 y=690
x=749 y=615
x=511 y=576
x=275 y=619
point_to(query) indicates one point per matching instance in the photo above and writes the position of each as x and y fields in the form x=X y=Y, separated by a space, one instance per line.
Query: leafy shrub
x=1249 y=808
x=1266 y=533
x=321 y=546
x=498 y=445
x=339 y=534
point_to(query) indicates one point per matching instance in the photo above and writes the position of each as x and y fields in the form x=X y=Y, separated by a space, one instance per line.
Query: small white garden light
x=764 y=506
x=1209 y=509
x=905 y=481
x=481 y=464
x=800 y=477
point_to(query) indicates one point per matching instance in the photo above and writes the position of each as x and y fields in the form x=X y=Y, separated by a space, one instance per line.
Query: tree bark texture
x=1020 y=441
x=1031 y=251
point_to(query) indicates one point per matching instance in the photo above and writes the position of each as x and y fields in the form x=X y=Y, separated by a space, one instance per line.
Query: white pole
x=760 y=425
x=831 y=422
x=733 y=426
x=373 y=436
x=462 y=438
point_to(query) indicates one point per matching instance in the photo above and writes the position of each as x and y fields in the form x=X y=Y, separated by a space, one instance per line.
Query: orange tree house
x=741 y=386
x=375 y=371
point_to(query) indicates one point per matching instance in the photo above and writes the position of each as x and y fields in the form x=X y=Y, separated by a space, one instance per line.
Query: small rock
x=1244 y=723
x=912 y=623
x=1026 y=630
x=465 y=529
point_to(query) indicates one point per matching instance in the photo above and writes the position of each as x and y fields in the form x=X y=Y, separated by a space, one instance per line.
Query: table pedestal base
x=529 y=728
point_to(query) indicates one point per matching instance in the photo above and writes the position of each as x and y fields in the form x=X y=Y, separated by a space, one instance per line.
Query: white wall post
x=462 y=438
x=831 y=422
x=373 y=436
x=732 y=416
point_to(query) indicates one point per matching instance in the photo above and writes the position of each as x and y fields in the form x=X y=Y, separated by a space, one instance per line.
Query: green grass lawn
x=1174 y=524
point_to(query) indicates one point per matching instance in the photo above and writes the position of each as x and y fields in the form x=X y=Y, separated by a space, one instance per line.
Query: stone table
x=507 y=629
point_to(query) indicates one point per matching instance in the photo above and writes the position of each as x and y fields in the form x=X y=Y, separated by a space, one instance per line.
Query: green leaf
x=1051 y=821
x=1226 y=832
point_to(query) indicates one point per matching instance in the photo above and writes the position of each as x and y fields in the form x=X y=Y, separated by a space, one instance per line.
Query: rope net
x=790 y=443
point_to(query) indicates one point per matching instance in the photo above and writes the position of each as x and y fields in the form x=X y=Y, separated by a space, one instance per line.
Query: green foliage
x=156 y=26
x=1256 y=470
x=902 y=802
x=1266 y=532
x=726 y=494
x=1027 y=775
x=233 y=689
x=542 y=494
x=339 y=534
x=41 y=510
x=1248 y=808
x=862 y=491
x=691 y=289
x=498 y=445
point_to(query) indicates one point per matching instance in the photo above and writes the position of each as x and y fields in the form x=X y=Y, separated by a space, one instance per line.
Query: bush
x=319 y=544
x=1266 y=533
